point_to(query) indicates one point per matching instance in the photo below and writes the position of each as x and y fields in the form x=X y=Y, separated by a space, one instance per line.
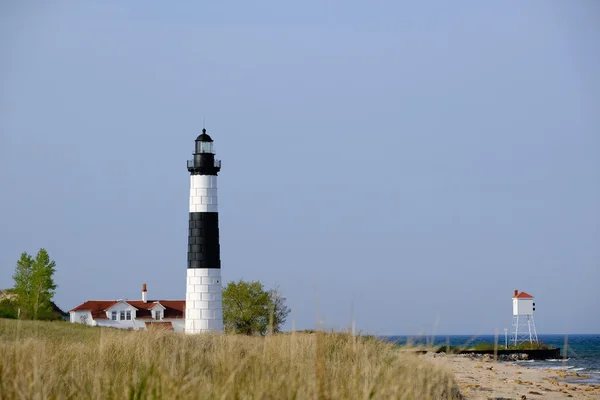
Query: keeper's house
x=132 y=314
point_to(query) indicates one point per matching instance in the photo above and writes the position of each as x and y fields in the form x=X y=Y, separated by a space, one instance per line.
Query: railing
x=191 y=164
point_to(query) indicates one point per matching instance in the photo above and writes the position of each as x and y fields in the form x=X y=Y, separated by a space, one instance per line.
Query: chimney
x=516 y=291
x=144 y=291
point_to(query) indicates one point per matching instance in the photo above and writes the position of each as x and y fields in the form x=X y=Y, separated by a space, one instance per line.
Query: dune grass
x=60 y=360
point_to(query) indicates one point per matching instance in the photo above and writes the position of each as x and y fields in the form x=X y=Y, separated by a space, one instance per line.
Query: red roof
x=523 y=295
x=96 y=307
x=173 y=308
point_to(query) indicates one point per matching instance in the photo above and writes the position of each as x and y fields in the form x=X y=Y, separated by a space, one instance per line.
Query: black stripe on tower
x=203 y=240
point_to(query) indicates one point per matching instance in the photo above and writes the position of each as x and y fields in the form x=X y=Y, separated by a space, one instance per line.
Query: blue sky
x=407 y=164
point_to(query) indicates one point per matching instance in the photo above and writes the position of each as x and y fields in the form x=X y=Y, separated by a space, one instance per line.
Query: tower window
x=204 y=147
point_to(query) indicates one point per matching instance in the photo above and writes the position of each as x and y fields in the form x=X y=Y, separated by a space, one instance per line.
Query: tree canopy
x=250 y=309
x=34 y=285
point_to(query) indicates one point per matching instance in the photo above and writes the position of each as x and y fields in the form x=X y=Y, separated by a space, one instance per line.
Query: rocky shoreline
x=480 y=377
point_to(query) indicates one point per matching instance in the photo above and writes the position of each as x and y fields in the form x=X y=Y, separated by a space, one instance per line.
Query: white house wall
x=133 y=324
x=82 y=317
x=140 y=324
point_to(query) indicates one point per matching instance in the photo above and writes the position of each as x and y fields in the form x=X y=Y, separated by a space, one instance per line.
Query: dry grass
x=59 y=360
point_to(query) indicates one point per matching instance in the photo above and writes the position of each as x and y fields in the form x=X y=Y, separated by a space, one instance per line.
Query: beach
x=483 y=378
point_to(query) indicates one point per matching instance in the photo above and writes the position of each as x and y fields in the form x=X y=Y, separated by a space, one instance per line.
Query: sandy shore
x=483 y=378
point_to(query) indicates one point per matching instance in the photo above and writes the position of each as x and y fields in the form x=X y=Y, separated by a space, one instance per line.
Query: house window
x=113 y=315
x=158 y=314
x=122 y=316
x=128 y=315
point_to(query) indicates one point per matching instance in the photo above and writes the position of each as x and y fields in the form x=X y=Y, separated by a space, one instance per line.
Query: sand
x=483 y=378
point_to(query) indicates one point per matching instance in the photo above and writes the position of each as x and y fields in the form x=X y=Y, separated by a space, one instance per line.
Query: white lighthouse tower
x=203 y=304
x=523 y=325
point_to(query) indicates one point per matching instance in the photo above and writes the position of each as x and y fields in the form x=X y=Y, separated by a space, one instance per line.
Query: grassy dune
x=61 y=360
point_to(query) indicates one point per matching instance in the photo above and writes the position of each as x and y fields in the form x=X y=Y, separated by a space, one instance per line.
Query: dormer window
x=158 y=314
x=122 y=315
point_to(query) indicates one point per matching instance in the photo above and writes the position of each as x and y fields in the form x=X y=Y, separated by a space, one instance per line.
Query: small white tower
x=523 y=325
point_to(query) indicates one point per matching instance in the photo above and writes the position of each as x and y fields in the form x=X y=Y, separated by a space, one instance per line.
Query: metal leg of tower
x=523 y=329
x=515 y=337
x=535 y=338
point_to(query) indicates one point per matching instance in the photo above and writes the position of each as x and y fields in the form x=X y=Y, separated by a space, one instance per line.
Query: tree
x=278 y=311
x=34 y=285
x=250 y=309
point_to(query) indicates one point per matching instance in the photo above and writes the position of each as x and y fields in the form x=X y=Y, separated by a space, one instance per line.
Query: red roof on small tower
x=523 y=295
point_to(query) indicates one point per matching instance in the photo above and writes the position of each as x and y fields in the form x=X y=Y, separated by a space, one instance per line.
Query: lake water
x=582 y=355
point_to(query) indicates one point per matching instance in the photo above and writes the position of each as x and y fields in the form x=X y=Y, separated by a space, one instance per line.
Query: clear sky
x=408 y=164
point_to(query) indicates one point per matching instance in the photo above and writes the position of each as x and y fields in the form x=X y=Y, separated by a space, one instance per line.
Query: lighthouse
x=523 y=324
x=203 y=303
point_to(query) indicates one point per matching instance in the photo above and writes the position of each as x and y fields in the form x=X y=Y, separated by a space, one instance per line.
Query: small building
x=523 y=323
x=523 y=303
x=132 y=314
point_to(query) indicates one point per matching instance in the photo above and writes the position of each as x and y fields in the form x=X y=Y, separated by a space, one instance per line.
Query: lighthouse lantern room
x=203 y=302
x=523 y=323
